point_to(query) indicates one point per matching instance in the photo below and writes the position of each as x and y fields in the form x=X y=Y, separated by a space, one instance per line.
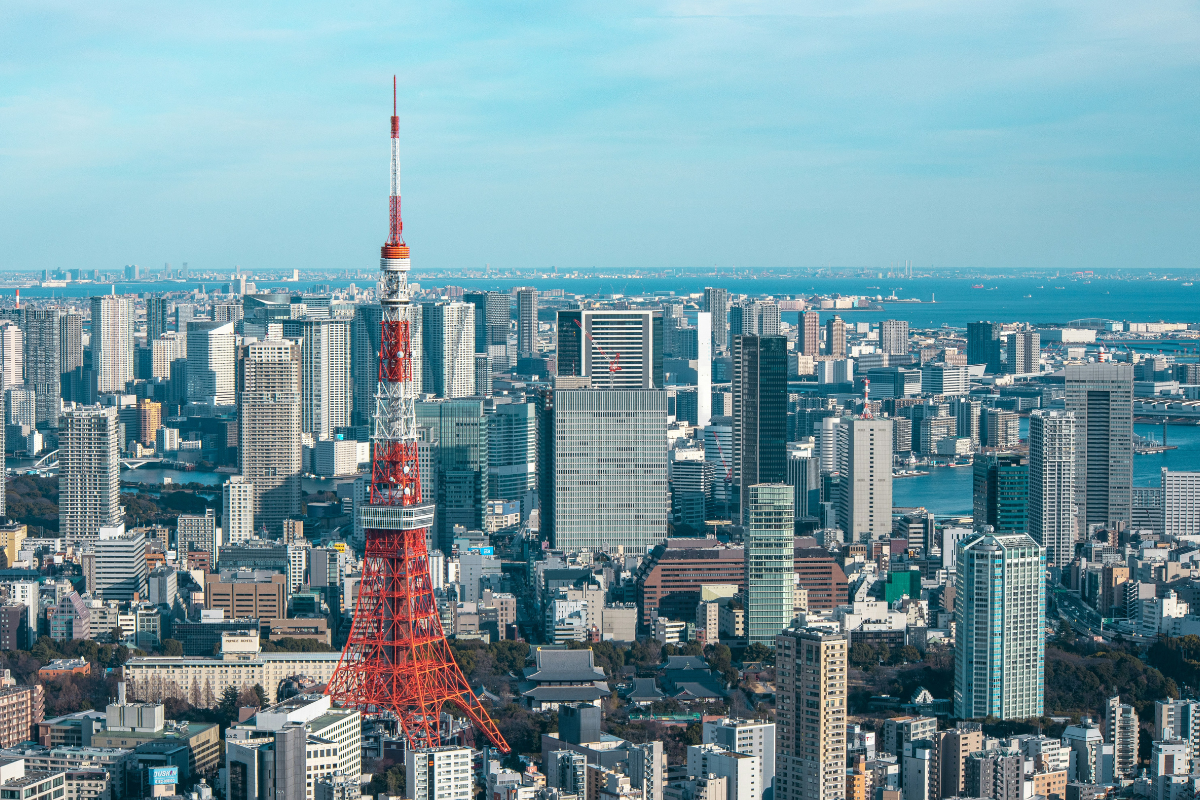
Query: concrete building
x=43 y=370
x=938 y=378
x=448 y=339
x=119 y=565
x=326 y=393
x=199 y=532
x=769 y=562
x=512 y=454
x=210 y=363
x=1001 y=638
x=1180 y=503
x=810 y=758
x=493 y=314
x=273 y=765
x=591 y=341
x=716 y=303
x=439 y=773
x=1101 y=397
x=750 y=737
x=759 y=414
x=609 y=469
x=1052 y=490
x=269 y=449
x=742 y=771
x=237 y=505
x=89 y=488
x=527 y=322
x=1121 y=731
x=893 y=337
x=1024 y=353
x=257 y=594
x=809 y=342
x=864 y=459
x=835 y=337
x=112 y=342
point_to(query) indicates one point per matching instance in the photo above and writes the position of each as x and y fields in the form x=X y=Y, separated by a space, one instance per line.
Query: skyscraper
x=493 y=311
x=1024 y=352
x=269 y=436
x=1121 y=731
x=770 y=596
x=1052 y=489
x=766 y=313
x=704 y=359
x=448 y=337
x=1101 y=397
x=835 y=337
x=810 y=334
x=43 y=371
x=716 y=302
x=325 y=389
x=365 y=331
x=112 y=342
x=513 y=453
x=810 y=757
x=210 y=363
x=865 y=463
x=1000 y=492
x=461 y=481
x=893 y=337
x=609 y=476
x=12 y=355
x=237 y=507
x=89 y=485
x=591 y=342
x=983 y=345
x=759 y=413
x=157 y=317
x=527 y=322
x=1000 y=616
x=70 y=341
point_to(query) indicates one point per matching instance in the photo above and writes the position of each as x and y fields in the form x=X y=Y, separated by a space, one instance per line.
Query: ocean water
x=944 y=300
x=947 y=490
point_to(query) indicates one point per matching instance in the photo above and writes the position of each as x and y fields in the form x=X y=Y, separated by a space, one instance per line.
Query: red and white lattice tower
x=396 y=661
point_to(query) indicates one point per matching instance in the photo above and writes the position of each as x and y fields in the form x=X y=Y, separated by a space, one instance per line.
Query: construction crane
x=614 y=361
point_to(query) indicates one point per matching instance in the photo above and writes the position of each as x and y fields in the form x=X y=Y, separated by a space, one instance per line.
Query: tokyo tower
x=396 y=661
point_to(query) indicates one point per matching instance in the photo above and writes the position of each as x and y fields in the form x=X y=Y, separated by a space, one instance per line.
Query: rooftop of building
x=65 y=664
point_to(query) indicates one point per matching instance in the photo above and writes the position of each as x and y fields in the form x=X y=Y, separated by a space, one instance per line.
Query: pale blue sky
x=673 y=134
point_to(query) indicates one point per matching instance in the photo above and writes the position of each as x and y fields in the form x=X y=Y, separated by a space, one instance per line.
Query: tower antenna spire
x=397 y=662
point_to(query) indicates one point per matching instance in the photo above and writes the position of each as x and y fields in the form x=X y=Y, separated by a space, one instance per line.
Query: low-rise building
x=240 y=665
x=61 y=667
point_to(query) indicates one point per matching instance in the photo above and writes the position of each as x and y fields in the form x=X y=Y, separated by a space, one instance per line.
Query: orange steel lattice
x=396 y=660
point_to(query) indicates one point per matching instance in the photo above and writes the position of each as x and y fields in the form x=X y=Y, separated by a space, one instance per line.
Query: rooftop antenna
x=867 y=399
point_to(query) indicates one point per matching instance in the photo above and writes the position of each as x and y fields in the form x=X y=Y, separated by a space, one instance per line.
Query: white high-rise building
x=827 y=445
x=12 y=355
x=1180 y=503
x=237 y=504
x=120 y=564
x=438 y=773
x=1000 y=616
x=89 y=485
x=810 y=758
x=592 y=341
x=742 y=771
x=325 y=386
x=167 y=348
x=112 y=342
x=703 y=368
x=269 y=442
x=750 y=736
x=210 y=363
x=865 y=461
x=1051 y=516
x=448 y=337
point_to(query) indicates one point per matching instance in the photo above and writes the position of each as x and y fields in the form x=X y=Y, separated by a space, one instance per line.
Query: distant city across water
x=946 y=491
x=1038 y=300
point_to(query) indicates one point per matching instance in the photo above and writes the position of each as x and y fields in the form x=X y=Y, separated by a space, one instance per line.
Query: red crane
x=614 y=360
